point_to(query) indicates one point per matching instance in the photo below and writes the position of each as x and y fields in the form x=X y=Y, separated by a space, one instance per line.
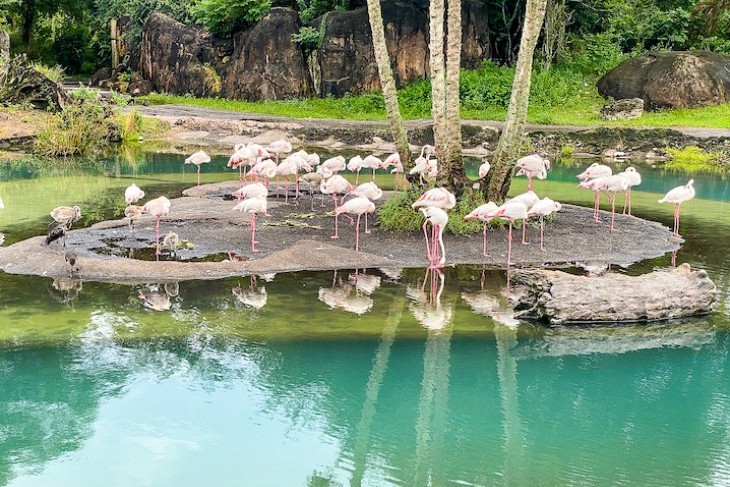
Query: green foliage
x=223 y=17
x=308 y=38
x=691 y=157
x=130 y=126
x=54 y=73
x=75 y=130
x=69 y=48
x=488 y=86
x=593 y=54
x=466 y=203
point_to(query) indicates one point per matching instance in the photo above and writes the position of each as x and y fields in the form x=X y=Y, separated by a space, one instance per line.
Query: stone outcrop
x=346 y=60
x=266 y=63
x=22 y=83
x=627 y=109
x=680 y=79
x=182 y=59
x=562 y=298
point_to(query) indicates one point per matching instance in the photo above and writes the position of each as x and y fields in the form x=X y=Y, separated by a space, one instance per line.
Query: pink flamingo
x=543 y=208
x=677 y=196
x=529 y=198
x=480 y=213
x=370 y=191
x=354 y=165
x=198 y=158
x=265 y=170
x=484 y=169
x=252 y=206
x=438 y=219
x=334 y=186
x=132 y=194
x=287 y=168
x=612 y=185
x=510 y=211
x=331 y=166
x=372 y=162
x=593 y=172
x=357 y=206
x=241 y=158
x=278 y=147
x=394 y=161
x=435 y=197
x=158 y=208
x=634 y=180
x=532 y=166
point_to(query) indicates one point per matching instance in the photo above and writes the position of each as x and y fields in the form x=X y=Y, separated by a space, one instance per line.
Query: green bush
x=69 y=48
x=75 y=130
x=308 y=38
x=223 y=17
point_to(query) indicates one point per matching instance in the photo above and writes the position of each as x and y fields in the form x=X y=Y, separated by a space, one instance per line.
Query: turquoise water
x=322 y=379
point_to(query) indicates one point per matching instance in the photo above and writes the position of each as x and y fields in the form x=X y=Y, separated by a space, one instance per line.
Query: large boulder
x=673 y=79
x=346 y=58
x=182 y=59
x=562 y=298
x=267 y=64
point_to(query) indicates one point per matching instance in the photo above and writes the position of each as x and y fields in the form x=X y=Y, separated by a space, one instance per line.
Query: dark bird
x=55 y=233
x=71 y=261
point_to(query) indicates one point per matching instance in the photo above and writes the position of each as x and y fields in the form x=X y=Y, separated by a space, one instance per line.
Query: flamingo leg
x=425 y=236
x=286 y=190
x=240 y=175
x=484 y=241
x=529 y=183
x=542 y=233
x=157 y=238
x=509 y=246
x=296 y=179
x=627 y=198
x=366 y=223
x=198 y=175
x=336 y=235
x=357 y=176
x=629 y=194
x=676 y=220
x=434 y=244
x=612 y=199
x=524 y=232
x=253 y=233
x=441 y=244
x=373 y=174
x=596 y=207
x=357 y=234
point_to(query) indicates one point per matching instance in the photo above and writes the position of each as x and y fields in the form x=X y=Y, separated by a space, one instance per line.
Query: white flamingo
x=634 y=180
x=252 y=206
x=198 y=158
x=356 y=206
x=334 y=186
x=133 y=194
x=372 y=192
x=677 y=196
x=482 y=213
x=158 y=208
x=541 y=209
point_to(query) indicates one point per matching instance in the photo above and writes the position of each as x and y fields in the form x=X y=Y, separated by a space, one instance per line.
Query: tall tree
x=512 y=135
x=387 y=82
x=438 y=78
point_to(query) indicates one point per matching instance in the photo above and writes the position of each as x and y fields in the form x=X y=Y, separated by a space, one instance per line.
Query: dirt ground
x=295 y=237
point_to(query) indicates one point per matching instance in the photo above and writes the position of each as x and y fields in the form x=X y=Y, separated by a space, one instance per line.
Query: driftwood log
x=22 y=83
x=562 y=298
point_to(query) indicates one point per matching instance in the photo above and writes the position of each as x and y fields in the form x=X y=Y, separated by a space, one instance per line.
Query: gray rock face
x=346 y=60
x=181 y=59
x=562 y=298
x=627 y=109
x=266 y=63
x=678 y=79
x=4 y=48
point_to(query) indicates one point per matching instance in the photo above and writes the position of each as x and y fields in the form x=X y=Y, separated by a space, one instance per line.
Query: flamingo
x=529 y=198
x=532 y=166
x=313 y=159
x=612 y=185
x=594 y=171
x=287 y=168
x=133 y=194
x=280 y=146
x=133 y=212
x=265 y=170
x=158 y=208
x=331 y=166
x=172 y=242
x=302 y=165
x=480 y=213
x=510 y=211
x=241 y=158
x=370 y=191
x=593 y=185
x=438 y=219
x=372 y=162
x=634 y=180
x=436 y=197
x=484 y=169
x=252 y=206
x=253 y=190
x=356 y=206
x=677 y=196
x=420 y=167
x=66 y=215
x=355 y=165
x=334 y=186
x=198 y=158
x=543 y=208
x=313 y=179
x=394 y=161
x=254 y=297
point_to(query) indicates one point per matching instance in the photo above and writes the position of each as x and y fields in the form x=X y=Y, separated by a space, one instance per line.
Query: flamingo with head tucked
x=158 y=208
x=133 y=194
x=438 y=219
x=252 y=206
x=278 y=147
x=370 y=191
x=356 y=206
x=532 y=166
x=334 y=186
x=198 y=158
x=482 y=213
x=587 y=177
x=543 y=208
x=511 y=210
x=677 y=196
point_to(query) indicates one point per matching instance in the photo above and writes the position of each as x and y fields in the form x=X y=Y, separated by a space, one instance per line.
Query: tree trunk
x=453 y=164
x=28 y=19
x=510 y=140
x=438 y=80
x=387 y=83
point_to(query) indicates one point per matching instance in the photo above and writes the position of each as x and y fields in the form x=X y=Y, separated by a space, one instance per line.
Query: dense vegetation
x=591 y=34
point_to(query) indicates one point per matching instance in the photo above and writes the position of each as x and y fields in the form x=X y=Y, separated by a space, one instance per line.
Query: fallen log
x=562 y=298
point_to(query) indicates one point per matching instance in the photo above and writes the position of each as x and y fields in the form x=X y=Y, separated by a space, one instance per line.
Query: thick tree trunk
x=438 y=79
x=453 y=164
x=28 y=19
x=511 y=138
x=387 y=83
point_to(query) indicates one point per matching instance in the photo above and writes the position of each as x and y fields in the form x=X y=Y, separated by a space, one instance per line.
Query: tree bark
x=510 y=140
x=28 y=19
x=453 y=164
x=438 y=80
x=387 y=83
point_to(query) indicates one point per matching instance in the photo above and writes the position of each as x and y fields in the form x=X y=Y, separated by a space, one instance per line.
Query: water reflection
x=254 y=296
x=65 y=290
x=426 y=306
x=156 y=297
x=348 y=294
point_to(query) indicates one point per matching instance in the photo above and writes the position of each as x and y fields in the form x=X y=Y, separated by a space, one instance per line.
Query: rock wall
x=681 y=79
x=264 y=63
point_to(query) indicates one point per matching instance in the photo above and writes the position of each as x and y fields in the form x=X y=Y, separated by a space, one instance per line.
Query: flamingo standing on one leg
x=370 y=191
x=634 y=180
x=480 y=213
x=278 y=147
x=510 y=211
x=373 y=163
x=543 y=208
x=532 y=166
x=354 y=165
x=252 y=206
x=334 y=186
x=394 y=161
x=158 y=208
x=529 y=198
x=198 y=158
x=133 y=194
x=357 y=206
x=438 y=219
x=592 y=172
x=677 y=196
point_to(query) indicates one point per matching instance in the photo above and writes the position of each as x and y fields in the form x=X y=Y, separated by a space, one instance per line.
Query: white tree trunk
x=438 y=79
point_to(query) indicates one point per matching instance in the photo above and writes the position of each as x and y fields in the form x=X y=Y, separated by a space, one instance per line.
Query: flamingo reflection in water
x=489 y=303
x=157 y=296
x=341 y=295
x=427 y=308
x=253 y=296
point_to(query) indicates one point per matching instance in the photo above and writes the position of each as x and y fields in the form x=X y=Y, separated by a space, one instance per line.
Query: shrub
x=54 y=73
x=130 y=127
x=690 y=156
x=308 y=38
x=75 y=130
x=69 y=48
x=223 y=17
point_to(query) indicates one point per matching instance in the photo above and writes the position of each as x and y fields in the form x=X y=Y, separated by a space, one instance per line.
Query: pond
x=369 y=377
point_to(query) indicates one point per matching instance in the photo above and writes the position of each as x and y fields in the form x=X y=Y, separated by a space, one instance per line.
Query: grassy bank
x=561 y=96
